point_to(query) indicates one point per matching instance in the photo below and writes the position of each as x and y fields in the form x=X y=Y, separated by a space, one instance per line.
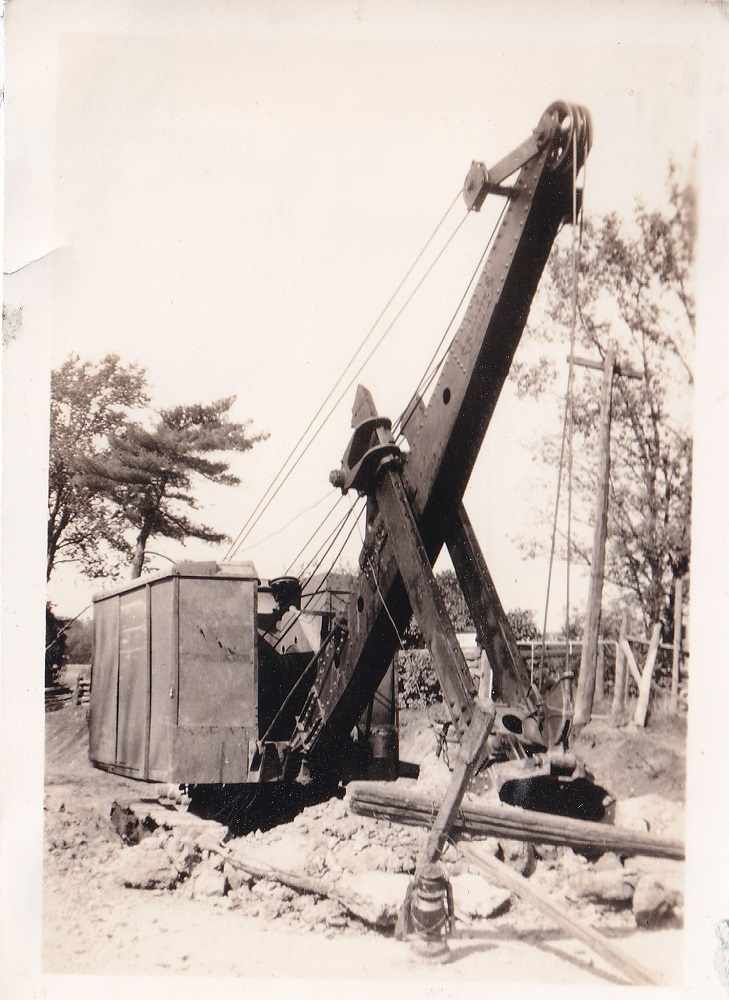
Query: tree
x=147 y=475
x=455 y=605
x=79 y=642
x=635 y=294
x=523 y=625
x=88 y=403
x=55 y=646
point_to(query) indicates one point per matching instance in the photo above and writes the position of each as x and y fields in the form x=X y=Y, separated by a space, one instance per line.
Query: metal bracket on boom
x=370 y=448
x=573 y=127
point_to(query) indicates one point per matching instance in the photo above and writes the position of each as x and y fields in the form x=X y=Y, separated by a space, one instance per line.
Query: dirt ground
x=197 y=916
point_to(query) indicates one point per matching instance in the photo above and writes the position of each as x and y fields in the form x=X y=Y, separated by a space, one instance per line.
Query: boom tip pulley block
x=565 y=127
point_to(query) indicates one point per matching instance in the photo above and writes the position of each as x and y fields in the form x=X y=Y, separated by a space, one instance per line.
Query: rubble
x=611 y=888
x=137 y=868
x=369 y=860
x=354 y=871
x=653 y=904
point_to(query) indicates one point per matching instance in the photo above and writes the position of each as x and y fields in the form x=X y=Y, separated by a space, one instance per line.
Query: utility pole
x=588 y=664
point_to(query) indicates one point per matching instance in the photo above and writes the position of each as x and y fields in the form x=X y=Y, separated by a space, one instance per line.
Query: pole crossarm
x=618 y=367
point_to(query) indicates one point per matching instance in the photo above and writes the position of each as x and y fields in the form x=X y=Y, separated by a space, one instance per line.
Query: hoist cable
x=310 y=596
x=570 y=383
x=311 y=538
x=329 y=548
x=272 y=534
x=354 y=377
x=331 y=537
x=566 y=421
x=300 y=680
x=379 y=591
x=428 y=375
x=242 y=534
x=321 y=588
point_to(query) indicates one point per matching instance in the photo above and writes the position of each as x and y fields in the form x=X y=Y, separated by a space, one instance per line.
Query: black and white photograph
x=365 y=384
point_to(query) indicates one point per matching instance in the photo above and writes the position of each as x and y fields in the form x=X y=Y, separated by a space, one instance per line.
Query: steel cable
x=428 y=376
x=567 y=421
x=264 y=503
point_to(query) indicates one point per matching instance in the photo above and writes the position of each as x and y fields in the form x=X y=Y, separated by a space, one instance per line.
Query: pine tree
x=148 y=475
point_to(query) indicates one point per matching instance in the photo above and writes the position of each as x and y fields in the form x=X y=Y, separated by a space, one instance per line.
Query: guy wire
x=255 y=515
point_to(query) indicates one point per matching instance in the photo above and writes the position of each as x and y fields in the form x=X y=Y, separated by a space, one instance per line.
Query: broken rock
x=207 y=882
x=473 y=896
x=236 y=878
x=137 y=868
x=651 y=813
x=378 y=895
x=653 y=904
x=131 y=824
x=610 y=886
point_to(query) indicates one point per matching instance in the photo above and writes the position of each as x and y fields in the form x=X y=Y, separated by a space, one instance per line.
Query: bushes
x=79 y=642
x=55 y=646
x=417 y=684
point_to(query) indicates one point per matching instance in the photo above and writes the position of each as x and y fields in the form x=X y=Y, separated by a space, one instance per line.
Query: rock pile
x=331 y=869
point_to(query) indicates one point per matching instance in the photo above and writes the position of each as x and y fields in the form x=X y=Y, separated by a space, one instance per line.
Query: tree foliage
x=635 y=293
x=79 y=642
x=148 y=475
x=89 y=402
x=455 y=604
x=523 y=625
x=55 y=646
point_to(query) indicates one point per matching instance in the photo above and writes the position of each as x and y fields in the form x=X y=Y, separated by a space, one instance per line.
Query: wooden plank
x=677 y=635
x=644 y=688
x=616 y=957
x=621 y=678
x=630 y=660
x=464 y=770
x=498 y=820
x=359 y=905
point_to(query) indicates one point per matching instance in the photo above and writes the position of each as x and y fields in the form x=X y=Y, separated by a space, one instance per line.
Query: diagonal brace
x=425 y=599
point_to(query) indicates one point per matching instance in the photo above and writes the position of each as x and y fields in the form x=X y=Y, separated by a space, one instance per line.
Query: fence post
x=621 y=686
x=600 y=673
x=677 y=636
x=644 y=690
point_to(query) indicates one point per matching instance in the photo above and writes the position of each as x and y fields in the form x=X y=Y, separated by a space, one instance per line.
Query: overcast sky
x=228 y=197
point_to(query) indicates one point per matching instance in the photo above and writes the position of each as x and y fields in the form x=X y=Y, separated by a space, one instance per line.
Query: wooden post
x=621 y=676
x=588 y=665
x=644 y=688
x=600 y=673
x=677 y=637
x=613 y=954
